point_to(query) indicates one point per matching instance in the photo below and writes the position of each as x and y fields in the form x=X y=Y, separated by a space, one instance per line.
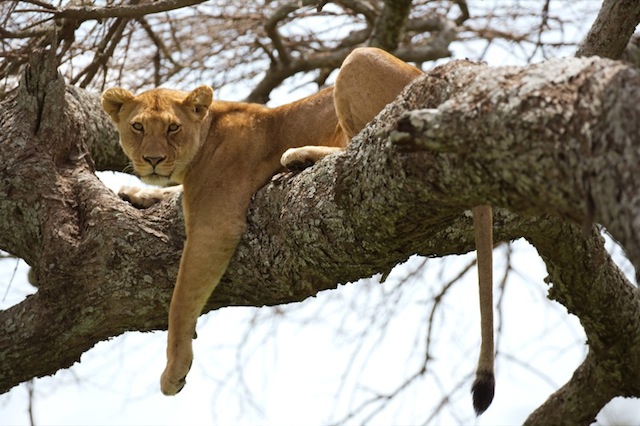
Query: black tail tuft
x=482 y=390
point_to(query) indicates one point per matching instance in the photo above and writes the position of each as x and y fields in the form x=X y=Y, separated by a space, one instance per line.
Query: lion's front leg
x=206 y=255
x=306 y=156
x=143 y=198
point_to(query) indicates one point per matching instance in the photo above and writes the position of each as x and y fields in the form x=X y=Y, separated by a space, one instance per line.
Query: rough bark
x=101 y=140
x=509 y=115
x=390 y=25
x=612 y=29
x=586 y=281
x=552 y=146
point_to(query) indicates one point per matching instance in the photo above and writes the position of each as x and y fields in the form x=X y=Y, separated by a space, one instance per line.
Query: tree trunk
x=552 y=146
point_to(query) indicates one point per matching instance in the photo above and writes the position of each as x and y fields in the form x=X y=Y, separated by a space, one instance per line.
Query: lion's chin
x=155 y=179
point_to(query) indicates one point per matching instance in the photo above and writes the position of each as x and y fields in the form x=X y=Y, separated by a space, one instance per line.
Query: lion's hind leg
x=369 y=79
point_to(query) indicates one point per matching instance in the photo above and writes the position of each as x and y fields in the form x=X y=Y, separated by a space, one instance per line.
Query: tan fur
x=223 y=152
x=484 y=383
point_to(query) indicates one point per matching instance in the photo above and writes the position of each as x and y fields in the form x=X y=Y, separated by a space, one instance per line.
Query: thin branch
x=86 y=13
x=103 y=52
x=464 y=12
x=29 y=33
x=271 y=28
x=360 y=7
x=390 y=25
x=161 y=46
x=42 y=4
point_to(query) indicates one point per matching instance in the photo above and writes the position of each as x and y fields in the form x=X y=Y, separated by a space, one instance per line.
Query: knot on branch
x=419 y=130
x=42 y=89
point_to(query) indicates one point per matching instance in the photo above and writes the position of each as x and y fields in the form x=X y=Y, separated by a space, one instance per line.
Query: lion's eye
x=138 y=127
x=173 y=127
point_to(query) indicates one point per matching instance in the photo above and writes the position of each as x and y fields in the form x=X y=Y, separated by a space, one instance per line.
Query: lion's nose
x=154 y=161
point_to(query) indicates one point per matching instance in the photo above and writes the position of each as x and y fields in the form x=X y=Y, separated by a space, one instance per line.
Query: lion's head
x=160 y=130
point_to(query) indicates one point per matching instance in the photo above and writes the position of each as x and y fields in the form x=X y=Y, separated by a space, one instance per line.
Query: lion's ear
x=113 y=99
x=199 y=100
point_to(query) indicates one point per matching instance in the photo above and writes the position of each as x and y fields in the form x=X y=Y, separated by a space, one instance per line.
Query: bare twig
x=103 y=52
x=85 y=13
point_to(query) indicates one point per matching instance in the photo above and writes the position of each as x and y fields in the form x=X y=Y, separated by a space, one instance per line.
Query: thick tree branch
x=557 y=140
x=101 y=138
x=577 y=106
x=586 y=281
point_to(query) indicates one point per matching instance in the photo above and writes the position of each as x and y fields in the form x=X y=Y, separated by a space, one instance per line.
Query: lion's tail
x=484 y=384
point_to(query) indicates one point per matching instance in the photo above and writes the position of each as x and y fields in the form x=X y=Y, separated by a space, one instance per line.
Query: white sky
x=309 y=366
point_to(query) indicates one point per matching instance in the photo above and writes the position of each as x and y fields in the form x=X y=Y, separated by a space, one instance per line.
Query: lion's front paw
x=174 y=377
x=306 y=156
x=141 y=198
x=297 y=159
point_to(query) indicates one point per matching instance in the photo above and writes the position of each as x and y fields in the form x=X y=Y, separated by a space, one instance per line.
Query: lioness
x=223 y=152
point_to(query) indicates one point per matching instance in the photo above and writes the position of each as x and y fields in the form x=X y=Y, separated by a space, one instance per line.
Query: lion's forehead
x=160 y=105
x=150 y=117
